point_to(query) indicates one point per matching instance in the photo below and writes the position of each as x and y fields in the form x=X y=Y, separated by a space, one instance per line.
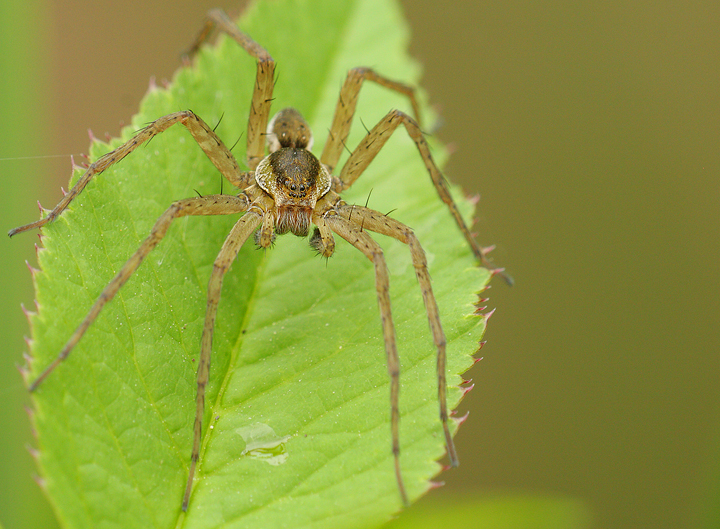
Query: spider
x=287 y=191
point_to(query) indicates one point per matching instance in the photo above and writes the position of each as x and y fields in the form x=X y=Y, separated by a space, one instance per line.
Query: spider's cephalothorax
x=287 y=191
x=291 y=174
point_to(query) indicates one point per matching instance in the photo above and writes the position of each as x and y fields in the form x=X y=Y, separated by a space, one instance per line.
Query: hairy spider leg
x=264 y=80
x=371 y=144
x=363 y=242
x=240 y=232
x=345 y=110
x=209 y=205
x=377 y=222
x=208 y=141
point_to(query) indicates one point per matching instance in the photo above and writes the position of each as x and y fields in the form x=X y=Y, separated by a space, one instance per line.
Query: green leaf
x=297 y=424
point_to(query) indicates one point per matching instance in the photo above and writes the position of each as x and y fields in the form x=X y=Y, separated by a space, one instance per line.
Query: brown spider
x=287 y=191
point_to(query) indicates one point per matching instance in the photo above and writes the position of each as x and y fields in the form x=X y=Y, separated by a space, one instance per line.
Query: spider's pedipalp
x=322 y=240
x=265 y=236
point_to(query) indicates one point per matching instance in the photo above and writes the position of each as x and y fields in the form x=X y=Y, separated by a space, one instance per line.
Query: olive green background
x=591 y=130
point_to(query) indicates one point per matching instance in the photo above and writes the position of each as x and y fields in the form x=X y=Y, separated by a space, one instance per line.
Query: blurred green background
x=591 y=131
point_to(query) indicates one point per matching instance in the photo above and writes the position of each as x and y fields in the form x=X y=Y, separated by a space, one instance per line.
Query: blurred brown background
x=590 y=130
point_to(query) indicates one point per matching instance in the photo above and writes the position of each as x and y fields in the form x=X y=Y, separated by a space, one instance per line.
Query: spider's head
x=295 y=179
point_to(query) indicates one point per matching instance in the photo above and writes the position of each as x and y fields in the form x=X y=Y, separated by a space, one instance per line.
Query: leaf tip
x=487 y=315
x=33 y=271
x=24 y=369
x=466 y=389
x=436 y=484
x=459 y=421
x=26 y=356
x=483 y=289
x=40 y=481
x=487 y=249
x=34 y=452
x=479 y=309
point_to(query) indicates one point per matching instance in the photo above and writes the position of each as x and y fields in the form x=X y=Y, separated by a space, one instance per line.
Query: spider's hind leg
x=361 y=240
x=377 y=222
x=240 y=232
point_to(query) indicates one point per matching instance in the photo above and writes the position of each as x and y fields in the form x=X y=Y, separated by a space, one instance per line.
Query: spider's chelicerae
x=287 y=191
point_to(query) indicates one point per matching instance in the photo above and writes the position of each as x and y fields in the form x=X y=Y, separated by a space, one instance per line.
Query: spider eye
x=293 y=177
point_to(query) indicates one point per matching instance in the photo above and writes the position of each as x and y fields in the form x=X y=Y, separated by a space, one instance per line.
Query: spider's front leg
x=345 y=110
x=264 y=81
x=208 y=141
x=371 y=144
